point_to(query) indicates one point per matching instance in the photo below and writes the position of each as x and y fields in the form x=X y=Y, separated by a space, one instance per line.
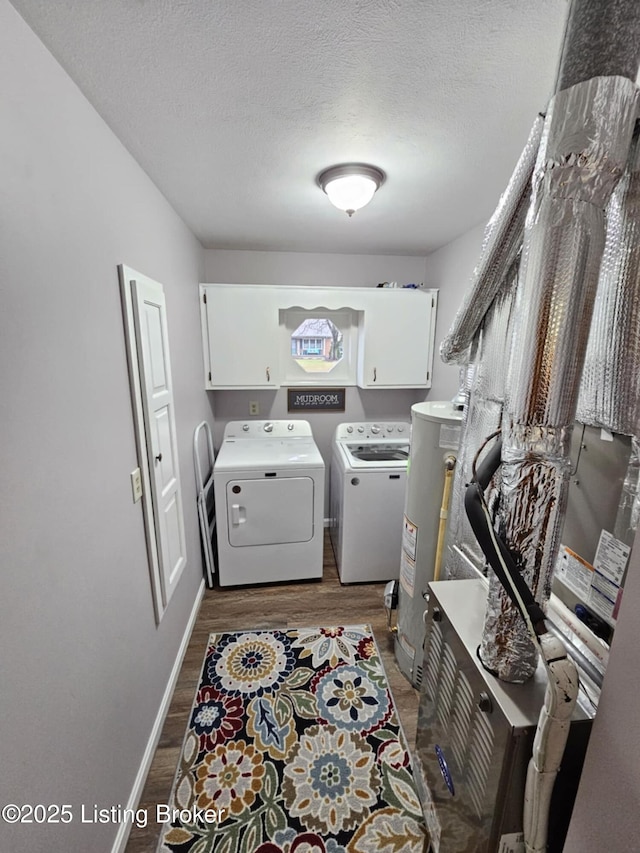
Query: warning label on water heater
x=410 y=538
x=408 y=556
x=407 y=574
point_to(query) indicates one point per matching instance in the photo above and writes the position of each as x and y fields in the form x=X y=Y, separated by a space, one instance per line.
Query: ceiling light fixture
x=351 y=185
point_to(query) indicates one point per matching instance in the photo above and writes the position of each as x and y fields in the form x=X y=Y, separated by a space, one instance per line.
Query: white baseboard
x=125 y=827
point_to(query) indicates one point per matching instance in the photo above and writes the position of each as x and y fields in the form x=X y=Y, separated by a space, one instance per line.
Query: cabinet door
x=396 y=340
x=240 y=336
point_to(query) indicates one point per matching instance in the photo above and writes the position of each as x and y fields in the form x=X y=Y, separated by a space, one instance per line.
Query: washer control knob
x=360 y=429
x=290 y=426
x=246 y=427
x=349 y=429
x=400 y=428
x=389 y=429
x=375 y=429
x=268 y=427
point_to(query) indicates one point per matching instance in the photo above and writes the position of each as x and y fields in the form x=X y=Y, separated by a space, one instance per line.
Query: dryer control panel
x=267 y=429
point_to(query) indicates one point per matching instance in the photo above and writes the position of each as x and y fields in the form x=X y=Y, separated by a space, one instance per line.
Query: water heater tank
x=435 y=435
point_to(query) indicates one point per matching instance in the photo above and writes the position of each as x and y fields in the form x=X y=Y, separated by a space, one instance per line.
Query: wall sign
x=316 y=399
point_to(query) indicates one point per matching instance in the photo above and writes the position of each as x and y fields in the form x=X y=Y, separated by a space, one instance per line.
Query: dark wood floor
x=323 y=603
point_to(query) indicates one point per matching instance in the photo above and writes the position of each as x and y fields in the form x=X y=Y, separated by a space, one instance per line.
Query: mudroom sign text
x=315 y=399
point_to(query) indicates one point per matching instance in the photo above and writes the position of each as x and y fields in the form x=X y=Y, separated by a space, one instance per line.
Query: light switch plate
x=136 y=485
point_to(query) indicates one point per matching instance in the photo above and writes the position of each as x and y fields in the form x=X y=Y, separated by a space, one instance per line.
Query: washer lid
x=383 y=454
x=267 y=454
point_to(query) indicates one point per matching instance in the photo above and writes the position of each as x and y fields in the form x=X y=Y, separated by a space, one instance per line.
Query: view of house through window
x=316 y=345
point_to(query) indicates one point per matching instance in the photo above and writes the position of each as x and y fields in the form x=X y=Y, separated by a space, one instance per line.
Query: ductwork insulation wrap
x=602 y=39
x=628 y=513
x=610 y=390
x=500 y=246
x=486 y=378
x=583 y=152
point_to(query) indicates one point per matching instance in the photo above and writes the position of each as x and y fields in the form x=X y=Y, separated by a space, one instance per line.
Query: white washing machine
x=269 y=493
x=367 y=489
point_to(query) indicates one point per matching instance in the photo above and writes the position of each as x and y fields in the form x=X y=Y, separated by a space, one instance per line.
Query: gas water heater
x=435 y=435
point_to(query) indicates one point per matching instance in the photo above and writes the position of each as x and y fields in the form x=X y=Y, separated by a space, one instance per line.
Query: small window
x=319 y=347
x=316 y=345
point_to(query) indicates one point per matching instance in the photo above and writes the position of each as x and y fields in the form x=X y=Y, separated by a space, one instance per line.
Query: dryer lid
x=268 y=454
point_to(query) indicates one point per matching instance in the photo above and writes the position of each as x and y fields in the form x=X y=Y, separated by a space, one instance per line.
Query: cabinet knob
x=268 y=375
x=375 y=374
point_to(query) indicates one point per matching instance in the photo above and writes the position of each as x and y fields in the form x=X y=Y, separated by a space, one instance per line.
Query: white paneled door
x=157 y=440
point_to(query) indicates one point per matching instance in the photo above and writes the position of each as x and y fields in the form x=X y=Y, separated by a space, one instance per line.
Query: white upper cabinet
x=248 y=342
x=240 y=335
x=395 y=341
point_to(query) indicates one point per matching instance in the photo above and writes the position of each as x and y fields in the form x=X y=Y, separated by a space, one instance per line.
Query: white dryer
x=269 y=493
x=367 y=492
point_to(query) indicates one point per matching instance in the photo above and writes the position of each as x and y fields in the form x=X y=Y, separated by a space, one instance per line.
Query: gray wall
x=450 y=269
x=316 y=270
x=83 y=667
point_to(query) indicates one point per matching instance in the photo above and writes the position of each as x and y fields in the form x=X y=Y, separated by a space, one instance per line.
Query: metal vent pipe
x=601 y=40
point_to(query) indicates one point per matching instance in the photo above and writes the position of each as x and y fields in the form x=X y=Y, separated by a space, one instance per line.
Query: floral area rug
x=294 y=746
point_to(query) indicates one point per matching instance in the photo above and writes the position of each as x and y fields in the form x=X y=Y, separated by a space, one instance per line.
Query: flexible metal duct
x=482 y=416
x=500 y=246
x=610 y=390
x=583 y=152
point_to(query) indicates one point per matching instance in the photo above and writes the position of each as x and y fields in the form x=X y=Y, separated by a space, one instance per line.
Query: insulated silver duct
x=482 y=416
x=500 y=246
x=583 y=152
x=601 y=40
x=610 y=390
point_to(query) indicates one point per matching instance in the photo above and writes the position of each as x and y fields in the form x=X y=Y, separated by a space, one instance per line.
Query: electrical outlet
x=136 y=485
x=254 y=408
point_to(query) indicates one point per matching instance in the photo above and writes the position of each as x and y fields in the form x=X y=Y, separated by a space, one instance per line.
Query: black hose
x=500 y=559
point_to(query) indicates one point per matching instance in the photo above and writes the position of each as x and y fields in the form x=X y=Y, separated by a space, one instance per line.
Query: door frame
x=126 y=276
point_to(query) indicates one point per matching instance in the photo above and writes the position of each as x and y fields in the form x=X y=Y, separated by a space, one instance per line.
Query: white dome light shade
x=351 y=186
x=351 y=192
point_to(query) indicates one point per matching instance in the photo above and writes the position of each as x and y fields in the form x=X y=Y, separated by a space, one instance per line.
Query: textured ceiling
x=233 y=107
